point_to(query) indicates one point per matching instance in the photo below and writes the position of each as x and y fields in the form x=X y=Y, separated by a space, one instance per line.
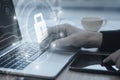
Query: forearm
x=111 y=41
x=107 y=41
x=94 y=40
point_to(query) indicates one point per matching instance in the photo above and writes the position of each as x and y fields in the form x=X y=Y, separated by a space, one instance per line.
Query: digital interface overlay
x=26 y=10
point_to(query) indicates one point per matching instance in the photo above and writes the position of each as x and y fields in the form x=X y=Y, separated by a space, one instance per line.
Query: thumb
x=108 y=59
x=62 y=42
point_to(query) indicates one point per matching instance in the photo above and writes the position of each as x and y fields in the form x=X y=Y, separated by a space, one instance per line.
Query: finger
x=53 y=30
x=118 y=63
x=56 y=29
x=62 y=42
x=107 y=59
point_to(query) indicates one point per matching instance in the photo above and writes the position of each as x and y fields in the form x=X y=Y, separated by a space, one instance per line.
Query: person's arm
x=105 y=40
x=110 y=41
x=73 y=36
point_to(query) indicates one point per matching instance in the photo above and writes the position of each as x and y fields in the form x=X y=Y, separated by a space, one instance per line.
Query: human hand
x=73 y=36
x=114 y=57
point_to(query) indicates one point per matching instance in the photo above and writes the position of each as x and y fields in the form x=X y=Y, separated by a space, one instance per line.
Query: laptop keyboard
x=25 y=54
x=20 y=57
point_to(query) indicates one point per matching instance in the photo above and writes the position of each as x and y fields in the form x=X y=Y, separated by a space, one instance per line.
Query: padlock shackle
x=36 y=16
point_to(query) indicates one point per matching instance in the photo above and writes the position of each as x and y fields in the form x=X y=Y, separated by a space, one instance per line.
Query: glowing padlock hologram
x=40 y=27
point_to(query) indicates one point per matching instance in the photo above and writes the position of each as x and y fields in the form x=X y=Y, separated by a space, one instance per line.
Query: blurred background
x=65 y=11
x=92 y=3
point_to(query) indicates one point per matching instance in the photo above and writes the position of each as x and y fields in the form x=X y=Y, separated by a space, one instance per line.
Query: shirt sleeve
x=111 y=41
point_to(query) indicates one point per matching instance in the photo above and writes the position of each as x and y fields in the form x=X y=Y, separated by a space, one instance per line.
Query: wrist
x=94 y=40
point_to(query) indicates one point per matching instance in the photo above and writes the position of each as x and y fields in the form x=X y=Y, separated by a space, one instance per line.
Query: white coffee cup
x=93 y=23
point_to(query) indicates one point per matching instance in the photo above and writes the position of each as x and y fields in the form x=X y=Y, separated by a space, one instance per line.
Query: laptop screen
x=9 y=29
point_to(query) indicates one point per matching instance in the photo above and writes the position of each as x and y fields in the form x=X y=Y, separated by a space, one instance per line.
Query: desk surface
x=66 y=74
x=70 y=75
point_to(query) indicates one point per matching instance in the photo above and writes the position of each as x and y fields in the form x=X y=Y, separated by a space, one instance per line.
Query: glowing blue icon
x=40 y=27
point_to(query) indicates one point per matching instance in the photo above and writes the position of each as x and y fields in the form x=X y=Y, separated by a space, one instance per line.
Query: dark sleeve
x=111 y=41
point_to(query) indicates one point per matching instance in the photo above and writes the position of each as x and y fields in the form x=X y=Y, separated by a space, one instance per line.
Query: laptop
x=26 y=59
